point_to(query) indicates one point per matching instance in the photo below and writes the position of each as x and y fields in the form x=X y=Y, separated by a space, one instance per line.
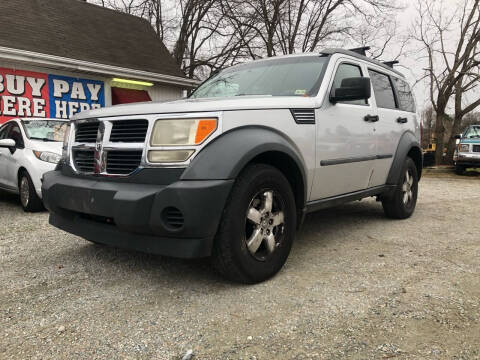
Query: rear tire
x=459 y=169
x=257 y=228
x=401 y=204
x=28 y=196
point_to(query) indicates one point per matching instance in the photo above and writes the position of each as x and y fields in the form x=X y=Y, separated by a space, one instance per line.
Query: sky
x=413 y=63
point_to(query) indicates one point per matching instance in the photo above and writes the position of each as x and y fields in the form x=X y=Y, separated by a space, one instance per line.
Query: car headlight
x=66 y=139
x=179 y=132
x=463 y=148
x=48 y=156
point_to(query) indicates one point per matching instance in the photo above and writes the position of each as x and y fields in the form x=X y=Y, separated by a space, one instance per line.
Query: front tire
x=257 y=228
x=401 y=204
x=28 y=197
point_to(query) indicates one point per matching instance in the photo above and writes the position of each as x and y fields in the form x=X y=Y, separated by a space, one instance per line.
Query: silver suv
x=231 y=171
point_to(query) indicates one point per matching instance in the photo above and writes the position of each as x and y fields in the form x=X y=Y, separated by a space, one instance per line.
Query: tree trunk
x=457 y=123
x=439 y=134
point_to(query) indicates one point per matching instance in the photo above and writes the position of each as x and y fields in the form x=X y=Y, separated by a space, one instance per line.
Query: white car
x=29 y=148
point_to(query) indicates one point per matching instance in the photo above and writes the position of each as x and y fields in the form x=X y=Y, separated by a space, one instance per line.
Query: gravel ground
x=356 y=285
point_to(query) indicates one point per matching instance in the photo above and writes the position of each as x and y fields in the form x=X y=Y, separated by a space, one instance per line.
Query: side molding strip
x=386 y=156
x=354 y=159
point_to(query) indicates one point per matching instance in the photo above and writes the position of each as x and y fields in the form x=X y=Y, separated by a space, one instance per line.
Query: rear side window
x=405 y=97
x=382 y=87
x=345 y=71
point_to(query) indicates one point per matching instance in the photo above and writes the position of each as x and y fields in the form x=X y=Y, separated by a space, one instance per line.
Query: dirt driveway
x=356 y=285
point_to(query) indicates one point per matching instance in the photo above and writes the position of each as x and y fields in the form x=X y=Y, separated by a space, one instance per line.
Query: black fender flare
x=408 y=141
x=228 y=154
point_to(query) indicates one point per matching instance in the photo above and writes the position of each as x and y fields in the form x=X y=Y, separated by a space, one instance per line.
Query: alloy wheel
x=24 y=191
x=407 y=188
x=264 y=225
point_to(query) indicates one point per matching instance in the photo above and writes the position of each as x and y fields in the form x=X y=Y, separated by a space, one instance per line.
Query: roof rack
x=391 y=63
x=361 y=50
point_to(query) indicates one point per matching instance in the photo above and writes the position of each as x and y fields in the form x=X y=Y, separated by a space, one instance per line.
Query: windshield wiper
x=43 y=139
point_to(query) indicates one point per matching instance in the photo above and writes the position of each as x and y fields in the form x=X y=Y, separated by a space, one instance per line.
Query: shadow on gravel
x=9 y=198
x=154 y=268
x=471 y=173
x=158 y=268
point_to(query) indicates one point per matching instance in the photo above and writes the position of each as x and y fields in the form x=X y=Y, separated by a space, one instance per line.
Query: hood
x=201 y=105
x=470 y=141
x=55 y=147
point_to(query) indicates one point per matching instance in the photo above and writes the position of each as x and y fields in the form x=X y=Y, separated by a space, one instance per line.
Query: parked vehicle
x=29 y=148
x=231 y=171
x=467 y=154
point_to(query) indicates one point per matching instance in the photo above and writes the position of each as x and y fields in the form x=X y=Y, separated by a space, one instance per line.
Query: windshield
x=292 y=76
x=472 y=132
x=46 y=130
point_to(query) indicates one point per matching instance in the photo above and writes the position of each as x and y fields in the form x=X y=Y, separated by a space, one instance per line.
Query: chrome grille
x=86 y=132
x=129 y=131
x=84 y=160
x=123 y=161
x=476 y=148
x=303 y=116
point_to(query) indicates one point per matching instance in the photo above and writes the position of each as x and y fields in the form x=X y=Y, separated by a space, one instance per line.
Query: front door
x=3 y=154
x=345 y=145
x=11 y=157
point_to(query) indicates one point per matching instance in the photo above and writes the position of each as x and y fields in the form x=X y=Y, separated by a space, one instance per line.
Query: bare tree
x=449 y=62
x=207 y=35
x=271 y=27
x=428 y=123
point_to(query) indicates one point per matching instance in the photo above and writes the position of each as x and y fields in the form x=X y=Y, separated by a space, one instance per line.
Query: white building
x=60 y=57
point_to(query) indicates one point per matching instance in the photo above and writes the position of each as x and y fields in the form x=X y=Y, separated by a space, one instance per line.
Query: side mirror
x=356 y=88
x=459 y=136
x=7 y=143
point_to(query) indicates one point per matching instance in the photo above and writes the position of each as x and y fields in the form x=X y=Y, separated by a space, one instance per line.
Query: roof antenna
x=391 y=63
x=361 y=50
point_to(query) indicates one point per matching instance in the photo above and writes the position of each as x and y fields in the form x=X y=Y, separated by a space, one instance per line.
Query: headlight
x=66 y=139
x=47 y=156
x=180 y=132
x=463 y=148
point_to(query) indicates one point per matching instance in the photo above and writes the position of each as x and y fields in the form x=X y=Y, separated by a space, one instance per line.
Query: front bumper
x=467 y=159
x=138 y=216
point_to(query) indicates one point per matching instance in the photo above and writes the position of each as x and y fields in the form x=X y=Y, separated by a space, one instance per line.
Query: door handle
x=402 y=120
x=371 y=118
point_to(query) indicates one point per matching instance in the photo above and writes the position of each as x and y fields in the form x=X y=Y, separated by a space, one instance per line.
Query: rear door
x=388 y=128
x=345 y=145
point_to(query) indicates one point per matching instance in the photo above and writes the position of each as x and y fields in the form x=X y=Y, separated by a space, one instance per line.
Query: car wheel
x=459 y=169
x=257 y=228
x=28 y=196
x=401 y=204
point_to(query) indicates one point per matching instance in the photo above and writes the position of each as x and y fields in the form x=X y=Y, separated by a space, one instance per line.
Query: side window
x=405 y=97
x=345 y=71
x=4 y=131
x=16 y=134
x=382 y=87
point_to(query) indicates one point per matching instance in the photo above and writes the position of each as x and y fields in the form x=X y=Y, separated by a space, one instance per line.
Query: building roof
x=82 y=31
